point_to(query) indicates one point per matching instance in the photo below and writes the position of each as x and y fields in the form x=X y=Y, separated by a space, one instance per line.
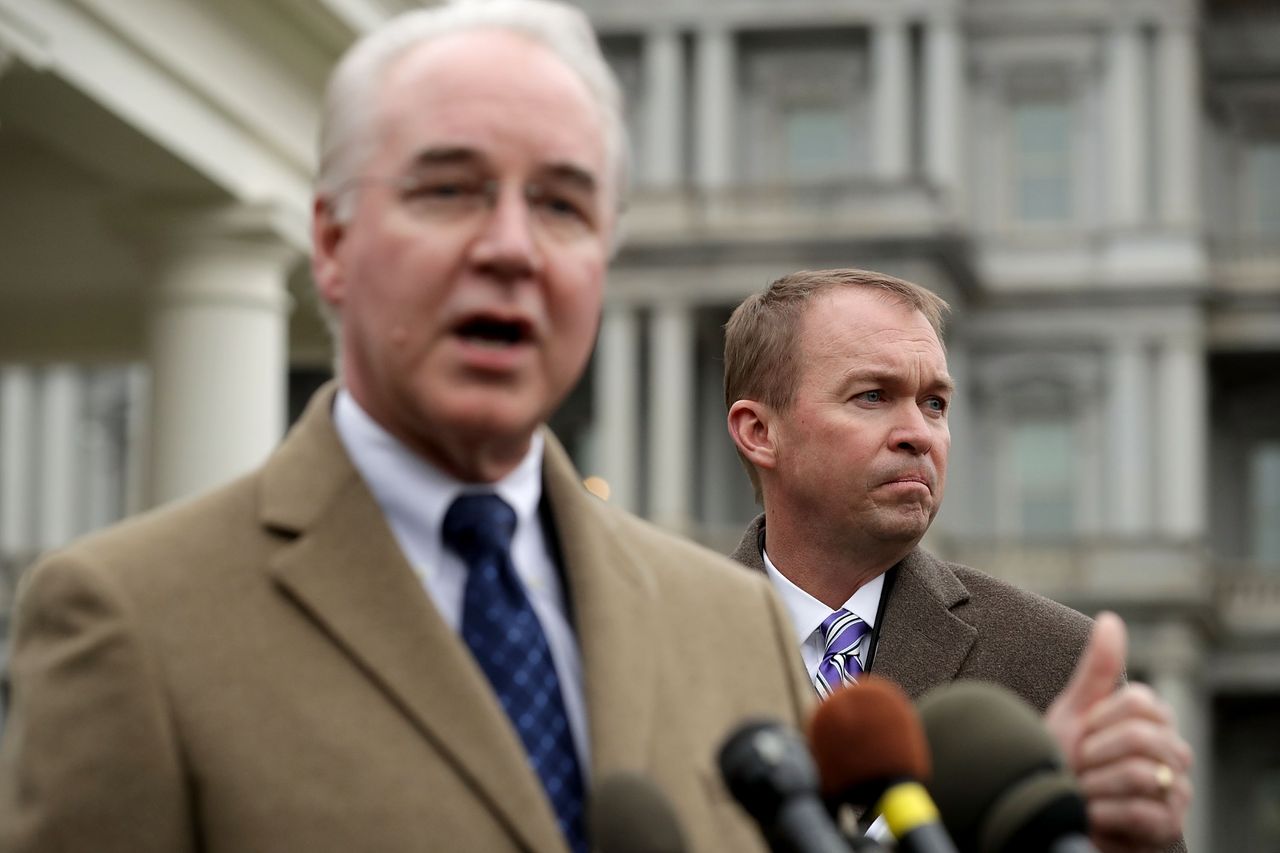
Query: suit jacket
x=944 y=621
x=259 y=669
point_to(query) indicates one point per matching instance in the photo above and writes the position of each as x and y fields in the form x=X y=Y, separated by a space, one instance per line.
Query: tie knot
x=842 y=630
x=479 y=524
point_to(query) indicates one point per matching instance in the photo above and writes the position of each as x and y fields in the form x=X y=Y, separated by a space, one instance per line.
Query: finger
x=1113 y=844
x=1136 y=738
x=1139 y=820
x=1133 y=701
x=1099 y=667
x=1132 y=777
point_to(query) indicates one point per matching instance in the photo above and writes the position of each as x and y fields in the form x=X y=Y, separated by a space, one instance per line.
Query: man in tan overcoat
x=411 y=629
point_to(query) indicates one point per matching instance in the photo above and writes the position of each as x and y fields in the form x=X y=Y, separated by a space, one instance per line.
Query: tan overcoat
x=259 y=669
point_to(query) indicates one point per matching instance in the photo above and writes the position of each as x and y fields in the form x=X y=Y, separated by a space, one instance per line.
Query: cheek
x=576 y=302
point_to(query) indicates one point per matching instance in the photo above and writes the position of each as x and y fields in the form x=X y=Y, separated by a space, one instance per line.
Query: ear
x=326 y=267
x=751 y=426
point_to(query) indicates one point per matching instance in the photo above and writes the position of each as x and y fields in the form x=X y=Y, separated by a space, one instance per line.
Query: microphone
x=1000 y=781
x=871 y=752
x=767 y=768
x=629 y=814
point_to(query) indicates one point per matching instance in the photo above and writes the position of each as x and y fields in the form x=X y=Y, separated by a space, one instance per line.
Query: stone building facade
x=1093 y=184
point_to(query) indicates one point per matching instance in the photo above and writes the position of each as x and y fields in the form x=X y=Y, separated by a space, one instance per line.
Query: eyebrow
x=451 y=156
x=569 y=174
x=458 y=155
x=944 y=384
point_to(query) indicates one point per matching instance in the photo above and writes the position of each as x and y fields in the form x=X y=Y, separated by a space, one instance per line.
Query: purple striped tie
x=840 y=664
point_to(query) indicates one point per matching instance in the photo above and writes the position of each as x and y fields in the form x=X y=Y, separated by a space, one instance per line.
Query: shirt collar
x=413 y=492
x=808 y=613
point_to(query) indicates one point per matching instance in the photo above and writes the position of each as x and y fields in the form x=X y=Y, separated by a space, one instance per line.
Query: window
x=1263 y=186
x=818 y=142
x=1264 y=501
x=804 y=110
x=1043 y=453
x=1266 y=809
x=1042 y=161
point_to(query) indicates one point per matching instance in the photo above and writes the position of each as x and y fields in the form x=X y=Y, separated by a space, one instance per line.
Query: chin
x=903 y=526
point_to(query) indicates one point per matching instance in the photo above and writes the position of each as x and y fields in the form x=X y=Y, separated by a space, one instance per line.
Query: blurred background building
x=1093 y=184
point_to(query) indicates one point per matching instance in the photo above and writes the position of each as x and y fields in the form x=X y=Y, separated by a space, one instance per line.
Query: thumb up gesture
x=1121 y=743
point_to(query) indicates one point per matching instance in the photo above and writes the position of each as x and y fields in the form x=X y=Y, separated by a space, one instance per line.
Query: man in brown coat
x=838 y=390
x=411 y=629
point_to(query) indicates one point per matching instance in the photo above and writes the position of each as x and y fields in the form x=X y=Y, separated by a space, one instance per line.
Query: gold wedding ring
x=1164 y=779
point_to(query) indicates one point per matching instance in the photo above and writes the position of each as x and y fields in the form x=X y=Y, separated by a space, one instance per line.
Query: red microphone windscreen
x=864 y=737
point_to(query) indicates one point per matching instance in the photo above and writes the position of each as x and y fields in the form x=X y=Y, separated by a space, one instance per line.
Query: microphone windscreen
x=765 y=765
x=1035 y=815
x=865 y=736
x=984 y=741
x=629 y=814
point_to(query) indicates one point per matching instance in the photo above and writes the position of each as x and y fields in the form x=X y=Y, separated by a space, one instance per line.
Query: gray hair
x=348 y=123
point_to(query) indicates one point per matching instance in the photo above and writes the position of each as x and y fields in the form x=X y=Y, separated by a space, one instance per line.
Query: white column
x=17 y=447
x=137 y=439
x=715 y=68
x=219 y=352
x=671 y=407
x=103 y=477
x=61 y=401
x=1179 y=132
x=891 y=98
x=944 y=94
x=617 y=414
x=1177 y=658
x=1129 y=439
x=664 y=108
x=1125 y=126
x=1183 y=437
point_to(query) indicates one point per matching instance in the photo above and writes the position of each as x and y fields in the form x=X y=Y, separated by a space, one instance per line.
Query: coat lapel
x=922 y=643
x=613 y=602
x=344 y=569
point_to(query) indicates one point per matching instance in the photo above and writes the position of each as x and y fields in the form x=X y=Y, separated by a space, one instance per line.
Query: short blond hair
x=761 y=350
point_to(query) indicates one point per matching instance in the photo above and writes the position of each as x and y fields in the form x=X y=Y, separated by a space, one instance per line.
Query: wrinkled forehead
x=489 y=79
x=868 y=319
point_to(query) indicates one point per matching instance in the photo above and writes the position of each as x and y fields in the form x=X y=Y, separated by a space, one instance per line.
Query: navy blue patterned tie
x=504 y=635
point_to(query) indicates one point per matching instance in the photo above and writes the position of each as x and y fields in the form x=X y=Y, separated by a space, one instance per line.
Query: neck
x=473 y=461
x=469 y=456
x=829 y=567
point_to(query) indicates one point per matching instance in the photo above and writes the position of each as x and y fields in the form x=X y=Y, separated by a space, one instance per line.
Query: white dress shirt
x=808 y=614
x=414 y=496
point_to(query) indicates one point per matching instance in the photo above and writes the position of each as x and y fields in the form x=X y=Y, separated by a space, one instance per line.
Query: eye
x=936 y=405
x=441 y=190
x=561 y=207
x=873 y=396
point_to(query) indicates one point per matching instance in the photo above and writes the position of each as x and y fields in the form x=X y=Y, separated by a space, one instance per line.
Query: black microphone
x=629 y=814
x=999 y=780
x=768 y=770
x=871 y=753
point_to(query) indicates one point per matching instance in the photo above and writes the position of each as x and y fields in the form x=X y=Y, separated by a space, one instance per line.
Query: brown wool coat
x=260 y=670
x=944 y=621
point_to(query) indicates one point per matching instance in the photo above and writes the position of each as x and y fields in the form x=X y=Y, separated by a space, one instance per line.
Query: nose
x=506 y=246
x=912 y=433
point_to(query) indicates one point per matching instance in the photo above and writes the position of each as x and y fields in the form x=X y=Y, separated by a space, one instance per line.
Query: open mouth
x=494 y=332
